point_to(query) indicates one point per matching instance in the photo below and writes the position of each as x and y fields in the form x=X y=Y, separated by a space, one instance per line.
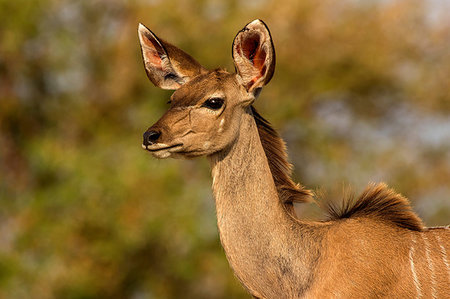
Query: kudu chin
x=372 y=247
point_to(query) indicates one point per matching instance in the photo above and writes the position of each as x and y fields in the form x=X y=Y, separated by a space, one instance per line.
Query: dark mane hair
x=281 y=169
x=377 y=202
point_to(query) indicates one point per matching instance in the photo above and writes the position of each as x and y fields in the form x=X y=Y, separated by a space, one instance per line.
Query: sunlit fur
x=371 y=247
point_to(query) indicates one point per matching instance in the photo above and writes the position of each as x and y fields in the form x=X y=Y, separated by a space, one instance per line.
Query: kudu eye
x=213 y=103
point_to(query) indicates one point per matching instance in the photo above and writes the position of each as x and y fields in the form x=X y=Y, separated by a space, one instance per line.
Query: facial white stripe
x=444 y=256
x=222 y=122
x=413 y=269
x=430 y=266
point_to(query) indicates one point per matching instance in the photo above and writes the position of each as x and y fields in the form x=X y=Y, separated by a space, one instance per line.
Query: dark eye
x=213 y=103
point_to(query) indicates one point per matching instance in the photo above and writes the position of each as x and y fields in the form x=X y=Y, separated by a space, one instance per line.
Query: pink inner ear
x=259 y=61
x=153 y=51
x=252 y=50
x=250 y=45
x=152 y=56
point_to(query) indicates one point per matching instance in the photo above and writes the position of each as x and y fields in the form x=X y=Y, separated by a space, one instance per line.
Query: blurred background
x=361 y=93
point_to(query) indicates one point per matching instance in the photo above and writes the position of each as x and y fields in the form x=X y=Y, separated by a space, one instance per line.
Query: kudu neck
x=257 y=232
x=241 y=173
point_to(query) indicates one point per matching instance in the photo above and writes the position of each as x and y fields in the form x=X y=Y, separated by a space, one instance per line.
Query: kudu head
x=207 y=106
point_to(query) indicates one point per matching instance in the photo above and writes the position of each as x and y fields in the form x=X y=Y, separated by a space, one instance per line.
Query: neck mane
x=276 y=153
x=377 y=201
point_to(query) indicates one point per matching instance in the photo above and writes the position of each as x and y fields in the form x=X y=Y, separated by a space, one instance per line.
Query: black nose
x=151 y=137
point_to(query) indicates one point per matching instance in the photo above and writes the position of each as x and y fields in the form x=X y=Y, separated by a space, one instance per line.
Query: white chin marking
x=165 y=155
x=161 y=154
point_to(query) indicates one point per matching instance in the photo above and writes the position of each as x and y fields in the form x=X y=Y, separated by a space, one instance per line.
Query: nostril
x=151 y=137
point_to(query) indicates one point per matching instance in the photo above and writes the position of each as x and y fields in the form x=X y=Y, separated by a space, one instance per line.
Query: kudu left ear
x=254 y=55
x=167 y=66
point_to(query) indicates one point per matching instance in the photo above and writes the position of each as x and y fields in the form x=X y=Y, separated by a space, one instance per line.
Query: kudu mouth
x=160 y=147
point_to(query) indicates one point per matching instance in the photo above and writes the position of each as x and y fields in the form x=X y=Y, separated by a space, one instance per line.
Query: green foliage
x=360 y=93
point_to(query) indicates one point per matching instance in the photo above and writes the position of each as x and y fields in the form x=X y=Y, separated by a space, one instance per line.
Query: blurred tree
x=360 y=93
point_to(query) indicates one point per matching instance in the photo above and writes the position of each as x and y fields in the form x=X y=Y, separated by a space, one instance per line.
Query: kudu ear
x=254 y=55
x=167 y=66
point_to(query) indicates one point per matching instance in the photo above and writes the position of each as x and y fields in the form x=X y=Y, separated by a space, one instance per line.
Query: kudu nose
x=151 y=137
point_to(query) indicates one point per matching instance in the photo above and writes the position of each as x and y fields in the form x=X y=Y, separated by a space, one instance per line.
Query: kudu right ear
x=167 y=66
x=254 y=55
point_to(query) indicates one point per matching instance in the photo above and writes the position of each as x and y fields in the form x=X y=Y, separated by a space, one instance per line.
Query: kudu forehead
x=203 y=86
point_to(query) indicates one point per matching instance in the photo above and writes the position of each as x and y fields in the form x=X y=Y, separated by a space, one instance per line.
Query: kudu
x=372 y=247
